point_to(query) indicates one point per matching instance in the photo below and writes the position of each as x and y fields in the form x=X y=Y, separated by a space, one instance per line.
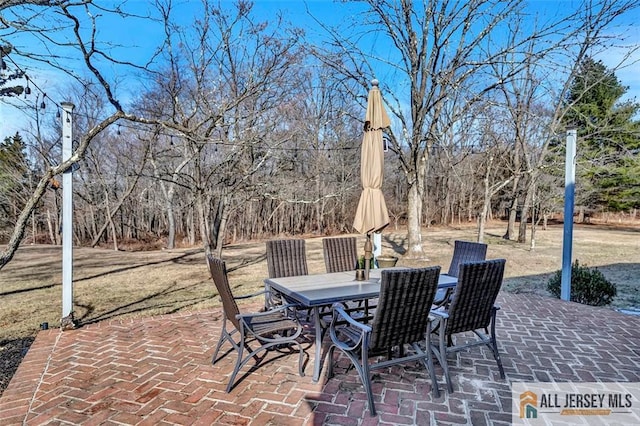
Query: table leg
x=319 y=334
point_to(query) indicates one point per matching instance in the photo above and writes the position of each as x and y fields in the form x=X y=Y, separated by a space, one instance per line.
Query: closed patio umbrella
x=371 y=215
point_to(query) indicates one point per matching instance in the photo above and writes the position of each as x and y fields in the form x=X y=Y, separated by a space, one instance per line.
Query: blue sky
x=137 y=37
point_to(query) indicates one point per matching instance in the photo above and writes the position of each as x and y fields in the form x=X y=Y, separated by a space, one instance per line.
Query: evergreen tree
x=14 y=183
x=608 y=139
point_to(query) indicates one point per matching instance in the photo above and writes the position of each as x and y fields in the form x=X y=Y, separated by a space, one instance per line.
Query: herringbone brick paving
x=157 y=371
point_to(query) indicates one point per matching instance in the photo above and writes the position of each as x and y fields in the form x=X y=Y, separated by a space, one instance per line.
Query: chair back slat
x=218 y=271
x=474 y=296
x=403 y=307
x=340 y=254
x=286 y=258
x=464 y=252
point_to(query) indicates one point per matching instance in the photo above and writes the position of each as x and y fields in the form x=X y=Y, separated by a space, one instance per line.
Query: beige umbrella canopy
x=371 y=215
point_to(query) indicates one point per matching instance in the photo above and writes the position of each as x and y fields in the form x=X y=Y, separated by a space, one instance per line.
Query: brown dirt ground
x=109 y=284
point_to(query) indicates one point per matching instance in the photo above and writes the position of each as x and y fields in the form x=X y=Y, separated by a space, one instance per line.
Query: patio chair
x=285 y=258
x=472 y=309
x=402 y=318
x=271 y=329
x=463 y=252
x=340 y=254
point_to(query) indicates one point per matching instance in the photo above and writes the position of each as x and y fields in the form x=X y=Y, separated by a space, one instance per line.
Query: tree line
x=246 y=128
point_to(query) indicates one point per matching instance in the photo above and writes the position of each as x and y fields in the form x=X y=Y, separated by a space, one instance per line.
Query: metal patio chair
x=340 y=254
x=402 y=319
x=285 y=258
x=463 y=252
x=472 y=309
x=272 y=329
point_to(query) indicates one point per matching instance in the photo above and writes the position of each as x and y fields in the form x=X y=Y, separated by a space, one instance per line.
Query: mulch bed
x=11 y=354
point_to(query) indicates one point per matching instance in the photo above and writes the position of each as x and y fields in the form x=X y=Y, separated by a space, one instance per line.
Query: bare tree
x=535 y=100
x=450 y=56
x=442 y=52
x=223 y=96
x=62 y=18
x=248 y=137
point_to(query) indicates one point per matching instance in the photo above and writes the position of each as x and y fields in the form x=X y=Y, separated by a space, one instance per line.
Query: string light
x=27 y=90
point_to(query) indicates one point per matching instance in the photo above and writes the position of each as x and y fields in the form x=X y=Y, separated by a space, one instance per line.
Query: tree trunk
x=414 y=209
x=110 y=214
x=171 y=224
x=524 y=216
x=534 y=219
x=513 y=210
x=168 y=191
x=112 y=225
x=522 y=229
x=414 y=234
x=221 y=231
x=486 y=201
x=191 y=226
x=202 y=222
x=51 y=227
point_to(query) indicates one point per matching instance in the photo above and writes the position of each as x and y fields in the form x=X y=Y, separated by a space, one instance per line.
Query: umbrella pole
x=368 y=254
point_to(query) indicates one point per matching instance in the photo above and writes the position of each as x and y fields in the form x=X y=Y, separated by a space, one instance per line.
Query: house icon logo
x=528 y=405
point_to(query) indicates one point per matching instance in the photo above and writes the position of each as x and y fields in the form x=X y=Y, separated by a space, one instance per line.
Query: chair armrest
x=440 y=313
x=339 y=312
x=271 y=311
x=357 y=333
x=246 y=296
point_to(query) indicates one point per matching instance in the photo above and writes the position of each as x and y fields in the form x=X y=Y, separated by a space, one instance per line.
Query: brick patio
x=155 y=371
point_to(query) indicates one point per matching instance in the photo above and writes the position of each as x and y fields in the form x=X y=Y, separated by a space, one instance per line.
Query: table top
x=325 y=289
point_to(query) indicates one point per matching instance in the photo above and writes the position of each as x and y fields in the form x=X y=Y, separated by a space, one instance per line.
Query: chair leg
x=445 y=365
x=224 y=336
x=365 y=376
x=361 y=364
x=441 y=352
x=428 y=363
x=430 y=366
x=329 y=361
x=238 y=362
x=301 y=360
x=494 y=345
x=218 y=346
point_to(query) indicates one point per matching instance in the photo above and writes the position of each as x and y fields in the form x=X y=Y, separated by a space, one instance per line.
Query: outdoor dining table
x=318 y=290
